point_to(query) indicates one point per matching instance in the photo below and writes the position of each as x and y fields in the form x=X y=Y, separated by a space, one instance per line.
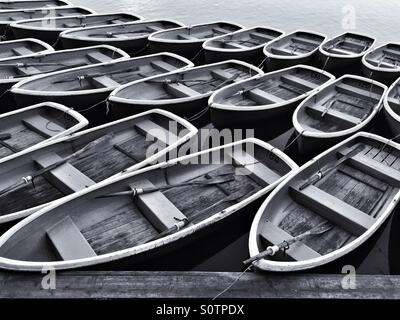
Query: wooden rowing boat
x=383 y=63
x=246 y=45
x=339 y=110
x=298 y=47
x=329 y=207
x=391 y=109
x=188 y=41
x=36 y=125
x=9 y=16
x=182 y=92
x=131 y=37
x=79 y=161
x=268 y=98
x=22 y=47
x=49 y=29
x=344 y=51
x=180 y=202
x=84 y=87
x=13 y=70
x=29 y=4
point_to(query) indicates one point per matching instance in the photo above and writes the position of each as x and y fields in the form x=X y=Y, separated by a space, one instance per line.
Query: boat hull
x=385 y=77
x=187 y=50
x=48 y=36
x=272 y=63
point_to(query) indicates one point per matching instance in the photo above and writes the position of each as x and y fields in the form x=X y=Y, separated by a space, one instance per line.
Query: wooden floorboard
x=144 y=285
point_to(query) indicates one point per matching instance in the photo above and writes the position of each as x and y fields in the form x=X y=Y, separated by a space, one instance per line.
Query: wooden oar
x=272 y=250
x=321 y=174
x=30 y=179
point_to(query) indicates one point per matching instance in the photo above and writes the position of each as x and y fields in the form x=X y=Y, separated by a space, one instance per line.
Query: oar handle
x=270 y=251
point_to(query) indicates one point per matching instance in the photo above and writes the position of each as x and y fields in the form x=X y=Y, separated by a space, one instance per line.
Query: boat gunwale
x=152 y=37
x=208 y=47
x=337 y=134
x=386 y=104
x=69 y=34
x=23 y=24
x=293 y=57
x=349 y=56
x=380 y=69
x=219 y=106
x=123 y=54
x=192 y=131
x=19 y=265
x=114 y=98
x=276 y=266
x=16 y=89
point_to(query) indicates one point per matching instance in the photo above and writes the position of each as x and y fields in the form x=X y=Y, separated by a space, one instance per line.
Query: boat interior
x=348 y=44
x=111 y=75
x=188 y=83
x=358 y=181
x=387 y=57
x=245 y=39
x=295 y=44
x=185 y=193
x=393 y=98
x=16 y=5
x=26 y=129
x=107 y=151
x=11 y=16
x=125 y=31
x=22 y=67
x=342 y=105
x=20 y=48
x=79 y=21
x=199 y=32
x=272 y=88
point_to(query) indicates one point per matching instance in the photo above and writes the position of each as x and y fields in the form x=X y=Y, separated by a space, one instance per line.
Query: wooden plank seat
x=97 y=57
x=383 y=64
x=161 y=212
x=333 y=115
x=256 y=170
x=42 y=126
x=182 y=36
x=222 y=74
x=162 y=66
x=298 y=251
x=28 y=70
x=234 y=45
x=358 y=92
x=66 y=177
x=22 y=51
x=68 y=240
x=333 y=209
x=299 y=82
x=220 y=30
x=260 y=36
x=71 y=25
x=154 y=28
x=306 y=41
x=105 y=81
x=181 y=91
x=394 y=103
x=340 y=51
x=151 y=129
x=391 y=52
x=263 y=97
x=283 y=52
x=377 y=169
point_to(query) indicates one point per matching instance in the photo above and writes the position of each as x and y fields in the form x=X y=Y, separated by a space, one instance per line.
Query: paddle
x=321 y=174
x=31 y=178
x=272 y=250
x=139 y=191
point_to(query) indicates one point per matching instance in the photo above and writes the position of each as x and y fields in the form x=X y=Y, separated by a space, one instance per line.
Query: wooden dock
x=203 y=285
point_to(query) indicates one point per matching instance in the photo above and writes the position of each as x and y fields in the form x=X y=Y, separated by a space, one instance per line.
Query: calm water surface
x=225 y=250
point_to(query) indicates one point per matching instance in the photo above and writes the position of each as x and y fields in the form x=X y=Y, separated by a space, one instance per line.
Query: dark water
x=224 y=250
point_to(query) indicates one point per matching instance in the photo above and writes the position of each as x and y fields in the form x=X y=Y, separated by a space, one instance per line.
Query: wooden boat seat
x=97 y=57
x=42 y=126
x=22 y=51
x=374 y=168
x=259 y=172
x=333 y=209
x=263 y=97
x=150 y=128
x=162 y=66
x=221 y=74
x=68 y=240
x=302 y=83
x=283 y=52
x=382 y=64
x=66 y=177
x=105 y=81
x=71 y=25
x=306 y=41
x=27 y=71
x=233 y=45
x=180 y=90
x=260 y=36
x=182 y=36
x=394 y=102
x=354 y=91
x=157 y=208
x=154 y=28
x=334 y=115
x=391 y=52
x=298 y=251
x=221 y=30
x=340 y=51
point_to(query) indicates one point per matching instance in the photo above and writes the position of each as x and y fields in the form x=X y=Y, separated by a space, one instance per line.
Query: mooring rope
x=140 y=50
x=197 y=54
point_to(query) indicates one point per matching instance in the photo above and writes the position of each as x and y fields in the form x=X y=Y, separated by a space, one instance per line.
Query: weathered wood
x=181 y=91
x=297 y=81
x=22 y=51
x=40 y=125
x=307 y=41
x=358 y=92
x=151 y=129
x=263 y=97
x=334 y=115
x=162 y=66
x=105 y=81
x=145 y=285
